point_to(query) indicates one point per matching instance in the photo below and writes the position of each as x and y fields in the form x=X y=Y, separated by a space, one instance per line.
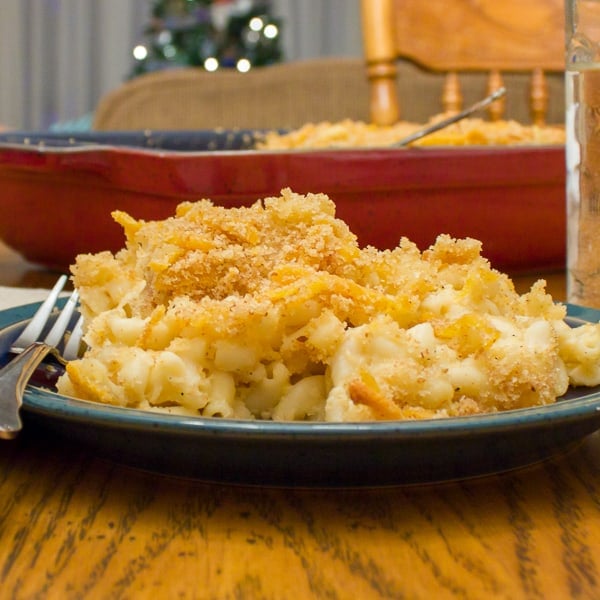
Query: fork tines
x=56 y=336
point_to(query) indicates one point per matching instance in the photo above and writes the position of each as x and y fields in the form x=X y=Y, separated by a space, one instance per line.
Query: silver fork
x=30 y=351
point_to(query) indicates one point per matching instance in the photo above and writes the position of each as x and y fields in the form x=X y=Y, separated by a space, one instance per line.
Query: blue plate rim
x=44 y=402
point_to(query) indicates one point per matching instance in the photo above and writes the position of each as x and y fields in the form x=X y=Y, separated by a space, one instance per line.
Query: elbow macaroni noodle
x=273 y=311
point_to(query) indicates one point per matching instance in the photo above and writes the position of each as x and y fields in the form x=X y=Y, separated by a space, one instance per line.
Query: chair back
x=455 y=36
x=282 y=96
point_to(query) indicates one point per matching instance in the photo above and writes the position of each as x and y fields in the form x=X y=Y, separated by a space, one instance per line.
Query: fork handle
x=13 y=379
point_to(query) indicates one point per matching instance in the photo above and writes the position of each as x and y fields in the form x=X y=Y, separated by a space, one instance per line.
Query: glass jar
x=582 y=121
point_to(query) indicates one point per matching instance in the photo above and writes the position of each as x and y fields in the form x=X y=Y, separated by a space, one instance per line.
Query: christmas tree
x=212 y=34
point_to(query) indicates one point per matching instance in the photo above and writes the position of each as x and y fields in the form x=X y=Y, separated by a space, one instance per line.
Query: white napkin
x=13 y=296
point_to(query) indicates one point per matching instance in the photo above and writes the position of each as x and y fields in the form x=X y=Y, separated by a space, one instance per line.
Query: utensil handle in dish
x=417 y=135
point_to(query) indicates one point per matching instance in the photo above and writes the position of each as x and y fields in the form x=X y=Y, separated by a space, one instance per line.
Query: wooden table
x=75 y=526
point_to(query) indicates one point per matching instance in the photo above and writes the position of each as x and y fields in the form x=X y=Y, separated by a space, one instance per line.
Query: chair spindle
x=452 y=98
x=539 y=97
x=496 y=109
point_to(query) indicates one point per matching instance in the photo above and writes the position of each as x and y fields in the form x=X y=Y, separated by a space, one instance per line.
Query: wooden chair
x=289 y=95
x=455 y=36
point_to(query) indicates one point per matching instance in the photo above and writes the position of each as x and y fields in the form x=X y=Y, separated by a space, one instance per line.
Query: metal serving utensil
x=421 y=133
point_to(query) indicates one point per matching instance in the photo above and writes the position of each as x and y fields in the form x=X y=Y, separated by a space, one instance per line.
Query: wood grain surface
x=75 y=526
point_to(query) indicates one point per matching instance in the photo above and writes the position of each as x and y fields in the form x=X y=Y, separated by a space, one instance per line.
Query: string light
x=140 y=52
x=169 y=51
x=211 y=64
x=271 y=31
x=243 y=65
x=256 y=24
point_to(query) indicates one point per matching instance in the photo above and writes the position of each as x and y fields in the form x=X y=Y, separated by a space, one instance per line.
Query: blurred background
x=60 y=56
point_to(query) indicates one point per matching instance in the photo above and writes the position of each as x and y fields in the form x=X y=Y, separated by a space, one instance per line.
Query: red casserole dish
x=57 y=193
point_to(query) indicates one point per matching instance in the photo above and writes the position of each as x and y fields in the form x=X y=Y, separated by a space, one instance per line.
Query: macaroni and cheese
x=468 y=132
x=273 y=311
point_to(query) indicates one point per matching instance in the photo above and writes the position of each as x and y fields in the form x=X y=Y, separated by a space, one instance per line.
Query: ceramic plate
x=313 y=454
